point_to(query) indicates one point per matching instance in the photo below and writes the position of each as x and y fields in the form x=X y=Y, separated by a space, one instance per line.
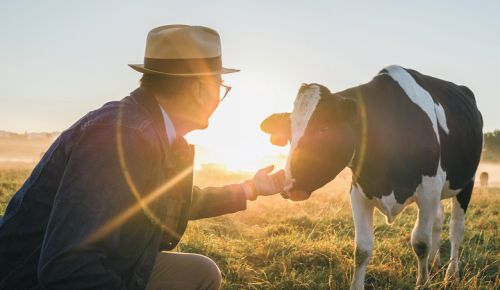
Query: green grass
x=10 y=181
x=277 y=244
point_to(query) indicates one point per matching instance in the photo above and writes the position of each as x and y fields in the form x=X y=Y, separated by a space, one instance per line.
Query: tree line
x=491 y=148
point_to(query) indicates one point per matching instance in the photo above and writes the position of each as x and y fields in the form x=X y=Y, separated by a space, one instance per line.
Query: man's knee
x=184 y=271
x=210 y=271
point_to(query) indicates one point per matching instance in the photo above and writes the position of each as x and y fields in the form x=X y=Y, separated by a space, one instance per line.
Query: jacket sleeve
x=84 y=230
x=215 y=201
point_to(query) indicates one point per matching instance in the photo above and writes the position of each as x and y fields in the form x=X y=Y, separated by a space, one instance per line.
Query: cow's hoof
x=452 y=274
x=422 y=283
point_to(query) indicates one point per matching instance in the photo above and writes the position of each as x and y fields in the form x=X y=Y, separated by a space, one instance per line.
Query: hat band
x=185 y=65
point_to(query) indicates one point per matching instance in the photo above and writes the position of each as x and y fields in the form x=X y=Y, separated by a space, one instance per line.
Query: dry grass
x=276 y=244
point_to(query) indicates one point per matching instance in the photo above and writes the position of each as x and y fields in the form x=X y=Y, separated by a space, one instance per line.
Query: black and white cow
x=407 y=137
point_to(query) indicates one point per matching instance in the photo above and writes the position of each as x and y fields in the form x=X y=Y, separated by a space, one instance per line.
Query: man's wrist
x=249 y=189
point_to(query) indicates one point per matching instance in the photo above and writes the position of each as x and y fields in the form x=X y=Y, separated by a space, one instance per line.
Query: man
x=115 y=189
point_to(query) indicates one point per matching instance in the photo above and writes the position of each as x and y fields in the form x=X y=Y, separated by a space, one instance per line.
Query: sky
x=61 y=59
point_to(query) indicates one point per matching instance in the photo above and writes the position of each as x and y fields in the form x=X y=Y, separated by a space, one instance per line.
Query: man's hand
x=264 y=183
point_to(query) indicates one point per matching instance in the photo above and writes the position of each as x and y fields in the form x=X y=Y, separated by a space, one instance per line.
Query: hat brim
x=142 y=69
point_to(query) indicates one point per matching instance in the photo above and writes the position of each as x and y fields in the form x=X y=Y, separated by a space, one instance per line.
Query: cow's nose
x=294 y=194
x=298 y=195
x=288 y=185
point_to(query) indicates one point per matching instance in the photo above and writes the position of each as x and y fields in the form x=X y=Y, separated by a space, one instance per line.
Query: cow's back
x=398 y=140
x=461 y=146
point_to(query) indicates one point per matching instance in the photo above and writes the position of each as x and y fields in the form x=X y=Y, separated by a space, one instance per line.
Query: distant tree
x=491 y=150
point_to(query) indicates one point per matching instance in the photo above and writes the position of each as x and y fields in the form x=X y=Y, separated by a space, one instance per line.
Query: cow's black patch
x=361 y=256
x=464 y=196
x=421 y=249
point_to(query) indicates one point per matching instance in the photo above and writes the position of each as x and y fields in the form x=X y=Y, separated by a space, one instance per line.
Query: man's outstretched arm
x=215 y=201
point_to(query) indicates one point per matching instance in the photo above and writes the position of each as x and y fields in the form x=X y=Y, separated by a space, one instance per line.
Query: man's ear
x=278 y=126
x=348 y=110
x=195 y=89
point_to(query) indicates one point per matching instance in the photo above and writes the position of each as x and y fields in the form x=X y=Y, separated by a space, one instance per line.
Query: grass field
x=277 y=244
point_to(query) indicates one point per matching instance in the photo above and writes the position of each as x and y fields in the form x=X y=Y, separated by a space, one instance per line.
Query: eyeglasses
x=223 y=90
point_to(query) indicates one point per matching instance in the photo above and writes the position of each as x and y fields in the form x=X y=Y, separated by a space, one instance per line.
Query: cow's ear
x=278 y=126
x=348 y=110
x=276 y=123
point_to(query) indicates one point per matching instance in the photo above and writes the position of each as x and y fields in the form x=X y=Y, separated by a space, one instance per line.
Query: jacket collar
x=148 y=101
x=180 y=146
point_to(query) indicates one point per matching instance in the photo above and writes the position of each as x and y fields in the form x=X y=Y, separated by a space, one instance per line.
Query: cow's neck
x=359 y=129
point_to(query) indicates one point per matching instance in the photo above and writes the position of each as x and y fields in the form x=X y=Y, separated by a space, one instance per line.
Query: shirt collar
x=169 y=127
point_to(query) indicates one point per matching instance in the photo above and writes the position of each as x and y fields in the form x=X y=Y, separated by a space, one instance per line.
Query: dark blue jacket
x=107 y=196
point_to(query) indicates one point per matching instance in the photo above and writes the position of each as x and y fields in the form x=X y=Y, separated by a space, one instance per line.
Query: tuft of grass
x=10 y=181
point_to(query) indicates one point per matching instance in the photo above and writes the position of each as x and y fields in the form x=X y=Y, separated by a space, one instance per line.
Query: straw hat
x=183 y=50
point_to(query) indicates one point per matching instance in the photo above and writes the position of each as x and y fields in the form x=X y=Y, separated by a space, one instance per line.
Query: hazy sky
x=60 y=59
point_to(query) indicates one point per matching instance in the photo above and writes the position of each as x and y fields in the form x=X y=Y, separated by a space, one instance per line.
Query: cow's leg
x=362 y=209
x=457 y=225
x=434 y=258
x=428 y=201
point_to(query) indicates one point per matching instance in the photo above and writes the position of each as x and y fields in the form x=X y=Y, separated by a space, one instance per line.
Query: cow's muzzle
x=295 y=195
x=291 y=192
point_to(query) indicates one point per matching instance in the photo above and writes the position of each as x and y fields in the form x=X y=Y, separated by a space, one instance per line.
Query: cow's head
x=321 y=135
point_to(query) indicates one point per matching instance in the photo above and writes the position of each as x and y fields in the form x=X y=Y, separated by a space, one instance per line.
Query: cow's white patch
x=362 y=211
x=441 y=117
x=362 y=208
x=427 y=197
x=390 y=207
x=437 y=226
x=433 y=184
x=420 y=97
x=457 y=227
x=447 y=192
x=430 y=185
x=303 y=108
x=387 y=205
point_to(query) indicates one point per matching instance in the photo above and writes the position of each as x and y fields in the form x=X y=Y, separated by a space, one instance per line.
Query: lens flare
x=143 y=200
x=360 y=156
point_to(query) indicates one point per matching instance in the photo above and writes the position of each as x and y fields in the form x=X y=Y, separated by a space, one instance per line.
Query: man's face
x=202 y=100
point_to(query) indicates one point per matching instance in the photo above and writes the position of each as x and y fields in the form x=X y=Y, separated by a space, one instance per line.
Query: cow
x=407 y=137
x=483 y=181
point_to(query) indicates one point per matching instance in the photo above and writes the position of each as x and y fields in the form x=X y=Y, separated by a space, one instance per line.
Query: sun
x=232 y=159
x=233 y=138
